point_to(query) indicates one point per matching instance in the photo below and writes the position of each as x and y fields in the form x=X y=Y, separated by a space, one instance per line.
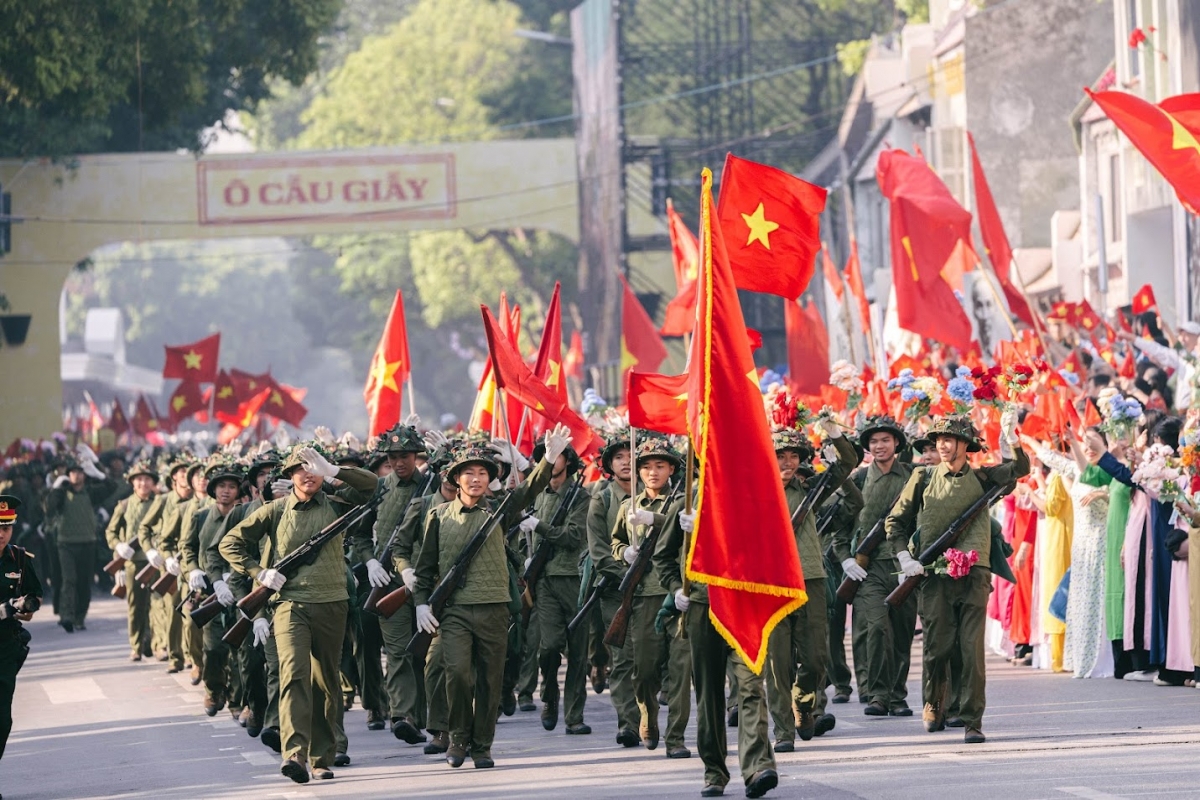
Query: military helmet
x=613 y=444
x=401 y=439
x=793 y=439
x=881 y=424
x=141 y=467
x=291 y=459
x=958 y=427
x=655 y=445
x=473 y=454
x=220 y=468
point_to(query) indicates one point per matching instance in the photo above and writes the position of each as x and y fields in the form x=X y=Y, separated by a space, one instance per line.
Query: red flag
x=95 y=418
x=752 y=569
x=657 y=402
x=548 y=366
x=854 y=281
x=573 y=362
x=1091 y=416
x=202 y=416
x=390 y=368
x=195 y=362
x=1087 y=318
x=284 y=405
x=186 y=400
x=117 y=421
x=685 y=254
x=1143 y=300
x=641 y=346
x=247 y=414
x=483 y=413
x=995 y=240
x=926 y=225
x=1167 y=134
x=1128 y=369
x=247 y=385
x=225 y=396
x=771 y=223
x=518 y=381
x=145 y=421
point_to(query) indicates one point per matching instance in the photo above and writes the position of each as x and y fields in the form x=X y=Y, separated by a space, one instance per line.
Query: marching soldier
x=73 y=502
x=474 y=625
x=310 y=606
x=886 y=632
x=20 y=597
x=122 y=537
x=158 y=535
x=953 y=611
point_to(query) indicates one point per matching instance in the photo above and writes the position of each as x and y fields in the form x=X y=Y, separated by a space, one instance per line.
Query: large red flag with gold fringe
x=751 y=567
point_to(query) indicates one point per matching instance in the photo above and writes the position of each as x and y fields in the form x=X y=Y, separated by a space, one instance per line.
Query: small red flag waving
x=685 y=253
x=1143 y=300
x=186 y=400
x=641 y=346
x=657 y=402
x=225 y=398
x=117 y=422
x=771 y=223
x=752 y=568
x=390 y=368
x=193 y=362
x=995 y=240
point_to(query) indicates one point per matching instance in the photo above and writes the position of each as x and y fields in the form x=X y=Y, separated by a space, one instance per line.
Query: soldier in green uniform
x=368 y=640
x=310 y=607
x=712 y=658
x=886 y=632
x=20 y=597
x=474 y=625
x=953 y=611
x=798 y=649
x=159 y=535
x=72 y=504
x=122 y=537
x=557 y=593
x=645 y=650
x=844 y=506
x=405 y=687
x=193 y=636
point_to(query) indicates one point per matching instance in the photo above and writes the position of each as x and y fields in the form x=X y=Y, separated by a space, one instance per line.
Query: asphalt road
x=89 y=724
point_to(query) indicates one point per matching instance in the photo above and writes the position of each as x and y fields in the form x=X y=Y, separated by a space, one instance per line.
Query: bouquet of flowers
x=1189 y=450
x=955 y=563
x=962 y=390
x=784 y=410
x=923 y=392
x=1017 y=380
x=986 y=390
x=1121 y=414
x=1159 y=474
x=845 y=376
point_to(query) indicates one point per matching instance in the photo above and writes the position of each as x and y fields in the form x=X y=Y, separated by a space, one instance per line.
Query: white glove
x=173 y=566
x=557 y=441
x=630 y=555
x=376 y=574
x=119 y=578
x=508 y=453
x=324 y=436
x=909 y=565
x=1008 y=426
x=409 y=576
x=495 y=486
x=272 y=579
x=436 y=443
x=89 y=469
x=316 y=463
x=829 y=454
x=60 y=481
x=687 y=521
x=528 y=561
x=413 y=421
x=529 y=524
x=853 y=571
x=224 y=595
x=1006 y=449
x=681 y=600
x=196 y=580
x=281 y=487
x=262 y=631
x=639 y=516
x=425 y=619
x=155 y=558
x=830 y=428
x=85 y=454
x=124 y=550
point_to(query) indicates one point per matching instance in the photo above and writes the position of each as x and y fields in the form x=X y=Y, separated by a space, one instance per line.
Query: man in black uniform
x=20 y=596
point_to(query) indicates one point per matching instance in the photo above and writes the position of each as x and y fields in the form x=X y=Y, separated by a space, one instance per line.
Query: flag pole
x=1033 y=312
x=688 y=473
x=507 y=432
x=412 y=397
x=1012 y=326
x=521 y=427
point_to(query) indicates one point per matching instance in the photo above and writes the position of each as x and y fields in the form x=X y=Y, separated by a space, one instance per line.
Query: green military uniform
x=473 y=626
x=123 y=528
x=798 y=648
x=160 y=530
x=885 y=633
x=556 y=599
x=953 y=612
x=711 y=658
x=193 y=636
x=309 y=611
x=845 y=505
x=220 y=682
x=75 y=520
x=603 y=510
x=20 y=593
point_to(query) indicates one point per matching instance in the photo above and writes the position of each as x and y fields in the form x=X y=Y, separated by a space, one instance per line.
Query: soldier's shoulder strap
x=859 y=476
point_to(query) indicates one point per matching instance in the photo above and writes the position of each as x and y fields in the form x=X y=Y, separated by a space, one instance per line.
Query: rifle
x=386 y=559
x=590 y=603
x=545 y=549
x=166 y=584
x=866 y=548
x=192 y=600
x=455 y=578
x=817 y=493
x=118 y=563
x=303 y=555
x=615 y=635
x=206 y=612
x=147 y=575
x=944 y=542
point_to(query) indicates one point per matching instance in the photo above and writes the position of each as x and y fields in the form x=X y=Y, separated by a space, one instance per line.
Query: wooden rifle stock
x=590 y=603
x=147 y=575
x=119 y=591
x=810 y=499
x=615 y=635
x=166 y=584
x=192 y=600
x=944 y=542
x=848 y=589
x=118 y=563
x=391 y=602
x=237 y=632
x=206 y=612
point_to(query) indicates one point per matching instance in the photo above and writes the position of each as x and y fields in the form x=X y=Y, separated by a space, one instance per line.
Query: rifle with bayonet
x=456 y=577
x=545 y=549
x=615 y=635
x=865 y=550
x=303 y=555
x=386 y=559
x=947 y=540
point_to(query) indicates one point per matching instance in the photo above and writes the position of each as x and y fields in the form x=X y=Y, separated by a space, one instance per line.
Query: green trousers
x=886 y=634
x=193 y=643
x=556 y=601
x=138 y=600
x=368 y=644
x=797 y=655
x=271 y=652
x=678 y=686
x=637 y=666
x=620 y=678
x=953 y=616
x=438 y=719
x=711 y=657
x=527 y=659
x=309 y=641
x=171 y=625
x=77 y=563
x=474 y=643
x=839 y=669
x=252 y=677
x=405 y=689
x=219 y=680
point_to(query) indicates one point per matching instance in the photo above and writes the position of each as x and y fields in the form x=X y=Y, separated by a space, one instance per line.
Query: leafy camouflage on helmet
x=290 y=460
x=265 y=459
x=174 y=462
x=343 y=455
x=614 y=441
x=655 y=445
x=142 y=467
x=959 y=427
x=220 y=467
x=472 y=454
x=881 y=424
x=401 y=439
x=793 y=439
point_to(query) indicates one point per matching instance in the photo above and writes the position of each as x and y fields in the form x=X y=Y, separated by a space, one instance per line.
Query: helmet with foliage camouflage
x=655 y=445
x=463 y=457
x=141 y=467
x=221 y=467
x=401 y=439
x=881 y=424
x=958 y=427
x=291 y=458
